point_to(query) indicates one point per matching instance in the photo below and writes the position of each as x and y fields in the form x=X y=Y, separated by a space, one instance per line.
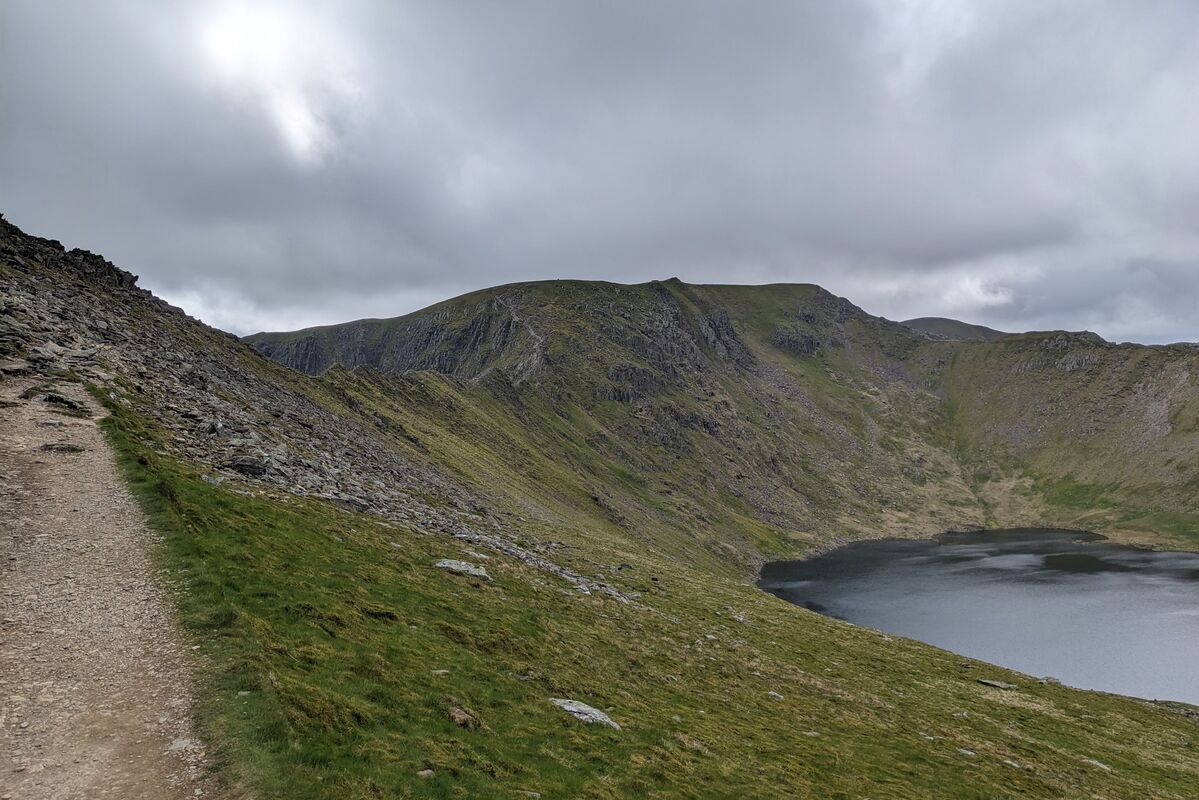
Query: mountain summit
x=954 y=330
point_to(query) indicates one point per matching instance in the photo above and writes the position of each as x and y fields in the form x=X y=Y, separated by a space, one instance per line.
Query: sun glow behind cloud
x=914 y=33
x=287 y=66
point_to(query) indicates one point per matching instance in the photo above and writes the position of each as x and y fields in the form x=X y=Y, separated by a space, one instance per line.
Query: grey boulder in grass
x=463 y=568
x=584 y=712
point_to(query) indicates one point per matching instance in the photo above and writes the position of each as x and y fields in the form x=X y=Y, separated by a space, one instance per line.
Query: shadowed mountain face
x=799 y=410
x=699 y=409
x=953 y=330
x=667 y=326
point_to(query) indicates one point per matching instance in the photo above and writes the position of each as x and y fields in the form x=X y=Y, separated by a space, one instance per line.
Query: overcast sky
x=1025 y=164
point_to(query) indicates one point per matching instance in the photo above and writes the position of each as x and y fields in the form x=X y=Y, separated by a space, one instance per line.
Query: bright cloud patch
x=288 y=66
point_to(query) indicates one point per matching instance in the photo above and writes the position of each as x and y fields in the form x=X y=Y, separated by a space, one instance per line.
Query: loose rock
x=463 y=568
x=584 y=712
x=465 y=718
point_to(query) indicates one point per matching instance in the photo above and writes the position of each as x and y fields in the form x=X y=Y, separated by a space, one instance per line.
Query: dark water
x=1045 y=602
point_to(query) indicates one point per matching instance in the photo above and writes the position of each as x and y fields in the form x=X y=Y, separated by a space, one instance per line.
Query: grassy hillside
x=768 y=420
x=342 y=664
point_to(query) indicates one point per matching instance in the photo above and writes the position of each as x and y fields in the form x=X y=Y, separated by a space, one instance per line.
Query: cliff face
x=464 y=338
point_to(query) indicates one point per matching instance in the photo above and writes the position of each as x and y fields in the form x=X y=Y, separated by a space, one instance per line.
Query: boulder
x=584 y=712
x=465 y=718
x=248 y=465
x=463 y=568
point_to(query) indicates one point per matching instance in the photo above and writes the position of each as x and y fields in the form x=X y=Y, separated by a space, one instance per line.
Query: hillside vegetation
x=767 y=420
x=618 y=460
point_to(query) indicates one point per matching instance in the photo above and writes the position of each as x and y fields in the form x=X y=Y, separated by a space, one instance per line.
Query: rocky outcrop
x=795 y=342
x=463 y=568
x=719 y=334
x=630 y=383
x=466 y=341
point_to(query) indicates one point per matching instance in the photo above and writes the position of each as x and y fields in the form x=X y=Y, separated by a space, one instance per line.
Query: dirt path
x=94 y=676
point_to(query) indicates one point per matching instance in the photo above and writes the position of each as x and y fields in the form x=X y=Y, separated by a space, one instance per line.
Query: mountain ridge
x=800 y=344
x=358 y=342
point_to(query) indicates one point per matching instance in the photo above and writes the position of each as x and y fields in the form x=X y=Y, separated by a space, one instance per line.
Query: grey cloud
x=1016 y=163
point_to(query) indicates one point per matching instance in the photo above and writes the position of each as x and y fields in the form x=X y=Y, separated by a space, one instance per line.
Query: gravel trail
x=95 y=677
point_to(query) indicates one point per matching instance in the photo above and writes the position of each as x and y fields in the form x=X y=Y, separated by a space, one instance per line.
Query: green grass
x=1074 y=496
x=1114 y=508
x=321 y=632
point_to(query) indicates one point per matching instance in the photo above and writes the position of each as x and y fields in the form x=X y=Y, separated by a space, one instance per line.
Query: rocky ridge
x=72 y=315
